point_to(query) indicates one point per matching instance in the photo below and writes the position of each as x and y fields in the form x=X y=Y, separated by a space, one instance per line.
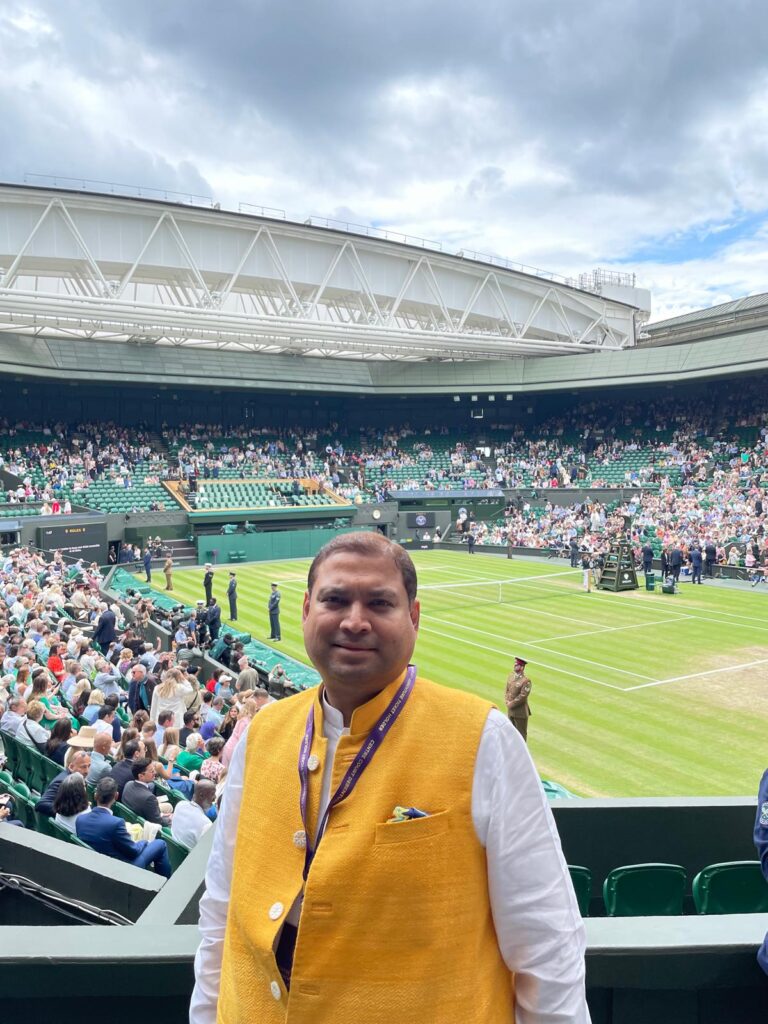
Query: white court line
x=510 y=654
x=697 y=675
x=523 y=643
x=613 y=629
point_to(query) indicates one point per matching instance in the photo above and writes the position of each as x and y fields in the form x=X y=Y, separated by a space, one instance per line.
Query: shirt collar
x=363 y=718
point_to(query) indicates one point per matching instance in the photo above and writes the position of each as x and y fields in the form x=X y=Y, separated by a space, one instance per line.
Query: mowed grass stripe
x=677 y=739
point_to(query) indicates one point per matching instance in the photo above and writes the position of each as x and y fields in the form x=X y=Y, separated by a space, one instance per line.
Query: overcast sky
x=630 y=134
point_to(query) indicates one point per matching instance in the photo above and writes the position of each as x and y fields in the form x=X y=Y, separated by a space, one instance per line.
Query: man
x=122 y=771
x=148 y=563
x=79 y=762
x=100 y=765
x=14 y=716
x=694 y=556
x=586 y=571
x=150 y=655
x=105 y=720
x=516 y=697
x=232 y=596
x=441 y=808
x=214 y=619
x=675 y=562
x=168 y=572
x=107 y=834
x=208 y=583
x=139 y=795
x=274 y=613
x=647 y=553
x=164 y=721
x=573 y=548
x=139 y=697
x=105 y=632
x=471 y=542
x=190 y=818
x=107 y=678
x=201 y=623
x=192 y=724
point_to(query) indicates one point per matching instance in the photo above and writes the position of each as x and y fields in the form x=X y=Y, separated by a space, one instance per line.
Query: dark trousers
x=696 y=571
x=274 y=625
x=232 y=609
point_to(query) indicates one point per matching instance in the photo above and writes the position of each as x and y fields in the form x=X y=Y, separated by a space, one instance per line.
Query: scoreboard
x=420 y=520
x=81 y=540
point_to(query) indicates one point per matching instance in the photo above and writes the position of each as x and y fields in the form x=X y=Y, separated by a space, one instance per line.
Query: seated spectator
x=216 y=715
x=138 y=794
x=105 y=720
x=212 y=768
x=80 y=695
x=108 y=679
x=95 y=702
x=192 y=756
x=170 y=747
x=7 y=811
x=190 y=817
x=79 y=763
x=43 y=691
x=164 y=722
x=71 y=801
x=107 y=834
x=249 y=710
x=140 y=719
x=192 y=723
x=122 y=771
x=58 y=742
x=55 y=664
x=30 y=732
x=100 y=763
x=14 y=716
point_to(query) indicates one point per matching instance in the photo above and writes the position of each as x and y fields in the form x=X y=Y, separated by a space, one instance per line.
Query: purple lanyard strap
x=372 y=743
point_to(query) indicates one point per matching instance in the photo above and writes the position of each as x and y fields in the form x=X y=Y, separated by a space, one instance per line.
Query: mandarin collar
x=364 y=717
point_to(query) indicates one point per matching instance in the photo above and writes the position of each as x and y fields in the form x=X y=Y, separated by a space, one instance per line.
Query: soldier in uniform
x=208 y=583
x=168 y=571
x=232 y=595
x=274 y=613
x=516 y=697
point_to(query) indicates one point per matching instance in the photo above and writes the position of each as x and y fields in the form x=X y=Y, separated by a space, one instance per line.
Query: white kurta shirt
x=540 y=931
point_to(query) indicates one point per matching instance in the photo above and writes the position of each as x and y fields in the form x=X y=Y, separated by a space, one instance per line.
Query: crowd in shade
x=141 y=741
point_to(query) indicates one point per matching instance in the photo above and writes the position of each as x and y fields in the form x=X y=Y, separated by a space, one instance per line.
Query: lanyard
x=365 y=756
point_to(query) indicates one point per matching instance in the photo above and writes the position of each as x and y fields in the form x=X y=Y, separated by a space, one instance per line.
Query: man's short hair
x=139 y=767
x=189 y=717
x=106 y=792
x=165 y=717
x=371 y=545
x=105 y=712
x=131 y=749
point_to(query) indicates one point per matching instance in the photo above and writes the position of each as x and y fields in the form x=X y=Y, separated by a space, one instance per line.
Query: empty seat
x=645 y=890
x=582 y=886
x=734 y=887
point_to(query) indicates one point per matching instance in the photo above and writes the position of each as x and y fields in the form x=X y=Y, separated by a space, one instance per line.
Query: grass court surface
x=634 y=694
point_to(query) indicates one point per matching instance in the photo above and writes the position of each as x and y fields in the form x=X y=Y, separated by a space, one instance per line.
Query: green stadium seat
x=582 y=885
x=13 y=753
x=735 y=887
x=177 y=853
x=645 y=890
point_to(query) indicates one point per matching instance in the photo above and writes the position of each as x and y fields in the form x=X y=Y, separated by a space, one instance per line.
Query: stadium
x=189 y=391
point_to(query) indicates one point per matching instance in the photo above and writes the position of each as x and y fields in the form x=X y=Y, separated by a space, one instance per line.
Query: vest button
x=313 y=762
x=274 y=988
x=276 y=911
x=300 y=839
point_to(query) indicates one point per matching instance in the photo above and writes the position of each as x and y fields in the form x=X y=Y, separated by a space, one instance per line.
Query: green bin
x=650 y=581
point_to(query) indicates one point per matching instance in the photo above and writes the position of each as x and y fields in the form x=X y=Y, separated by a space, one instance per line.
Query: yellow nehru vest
x=396 y=922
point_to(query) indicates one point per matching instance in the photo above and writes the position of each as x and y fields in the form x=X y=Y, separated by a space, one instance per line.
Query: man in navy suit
x=214 y=619
x=105 y=632
x=107 y=834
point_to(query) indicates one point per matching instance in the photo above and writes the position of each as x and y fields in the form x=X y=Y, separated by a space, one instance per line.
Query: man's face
x=148 y=775
x=81 y=763
x=359 y=629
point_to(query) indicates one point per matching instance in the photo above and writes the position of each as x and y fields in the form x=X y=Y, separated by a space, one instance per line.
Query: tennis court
x=634 y=693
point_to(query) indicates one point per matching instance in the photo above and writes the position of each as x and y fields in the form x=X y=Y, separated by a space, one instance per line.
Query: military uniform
x=516 y=698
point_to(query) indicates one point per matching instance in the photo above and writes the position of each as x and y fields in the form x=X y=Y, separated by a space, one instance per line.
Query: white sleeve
x=540 y=931
x=215 y=901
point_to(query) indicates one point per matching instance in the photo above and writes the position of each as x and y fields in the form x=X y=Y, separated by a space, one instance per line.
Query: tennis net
x=523 y=589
